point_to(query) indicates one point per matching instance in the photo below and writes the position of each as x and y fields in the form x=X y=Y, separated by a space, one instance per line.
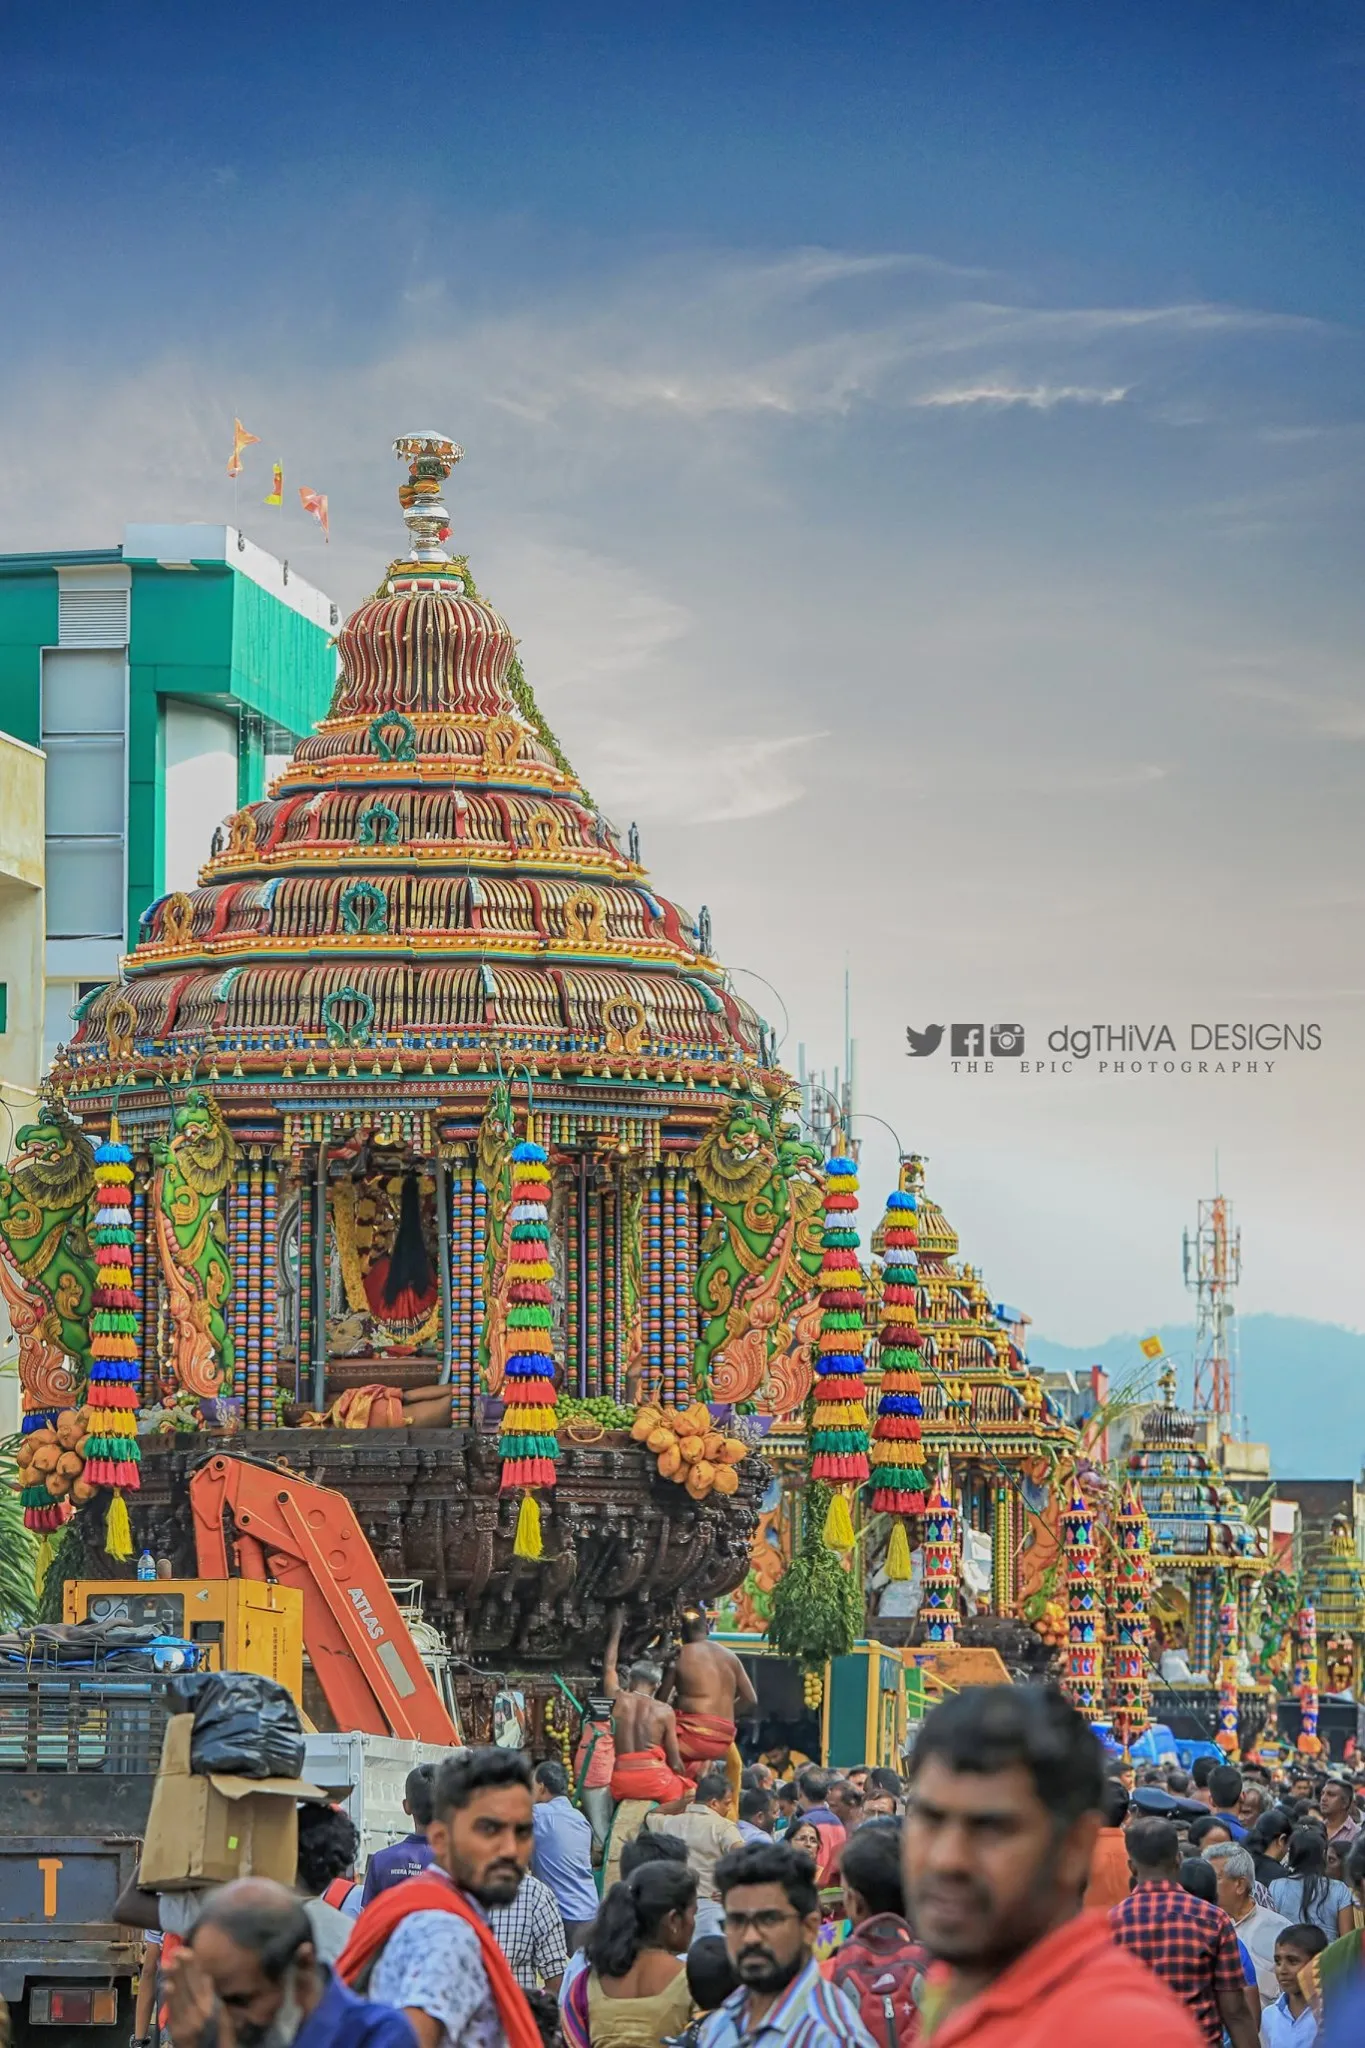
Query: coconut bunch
x=691 y=1451
x=1051 y=1624
x=51 y=1464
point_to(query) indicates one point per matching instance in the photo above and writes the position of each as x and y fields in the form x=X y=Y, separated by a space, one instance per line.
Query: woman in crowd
x=1269 y=1843
x=1341 y=1966
x=804 y=1835
x=633 y=1993
x=1307 y=1894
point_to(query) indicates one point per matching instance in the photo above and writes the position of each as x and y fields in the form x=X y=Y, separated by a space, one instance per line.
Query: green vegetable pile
x=601 y=1409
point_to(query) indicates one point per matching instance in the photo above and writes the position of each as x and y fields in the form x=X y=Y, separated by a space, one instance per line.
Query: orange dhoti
x=646 y=1774
x=703 y=1739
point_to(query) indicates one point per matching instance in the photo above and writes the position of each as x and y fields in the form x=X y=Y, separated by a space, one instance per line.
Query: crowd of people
x=1010 y=1888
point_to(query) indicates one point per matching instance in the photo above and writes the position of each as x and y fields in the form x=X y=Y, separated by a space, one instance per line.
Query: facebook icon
x=967 y=1041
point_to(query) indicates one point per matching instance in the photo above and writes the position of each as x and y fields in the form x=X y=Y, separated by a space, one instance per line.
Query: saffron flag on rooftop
x=316 y=503
x=275 y=495
x=240 y=440
x=1151 y=1347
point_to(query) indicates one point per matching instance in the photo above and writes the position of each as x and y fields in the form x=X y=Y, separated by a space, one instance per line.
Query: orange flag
x=240 y=440
x=275 y=495
x=316 y=503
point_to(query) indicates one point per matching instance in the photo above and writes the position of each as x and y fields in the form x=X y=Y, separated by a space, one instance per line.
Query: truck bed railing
x=85 y=1723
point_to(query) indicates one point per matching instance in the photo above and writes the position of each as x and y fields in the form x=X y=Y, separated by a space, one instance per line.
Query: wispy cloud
x=1037 y=397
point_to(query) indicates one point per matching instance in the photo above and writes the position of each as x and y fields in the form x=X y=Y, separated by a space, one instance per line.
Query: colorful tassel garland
x=838 y=1427
x=113 y=1456
x=898 y=1478
x=528 y=1543
x=529 y=1446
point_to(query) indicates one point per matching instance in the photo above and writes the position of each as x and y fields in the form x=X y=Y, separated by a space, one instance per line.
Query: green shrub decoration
x=817 y=1603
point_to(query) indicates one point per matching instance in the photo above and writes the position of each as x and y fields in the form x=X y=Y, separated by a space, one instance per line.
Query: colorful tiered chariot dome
x=1206 y=1567
x=426 y=1090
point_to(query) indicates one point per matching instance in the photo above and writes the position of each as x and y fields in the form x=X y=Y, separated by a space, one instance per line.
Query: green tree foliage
x=18 y=1550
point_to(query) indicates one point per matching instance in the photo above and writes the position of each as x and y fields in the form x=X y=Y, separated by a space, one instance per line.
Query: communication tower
x=1213 y=1267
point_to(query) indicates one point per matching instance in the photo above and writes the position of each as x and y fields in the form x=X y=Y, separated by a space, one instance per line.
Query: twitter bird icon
x=922 y=1043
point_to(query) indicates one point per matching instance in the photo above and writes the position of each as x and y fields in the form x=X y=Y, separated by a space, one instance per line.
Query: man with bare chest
x=710 y=1688
x=644 y=1731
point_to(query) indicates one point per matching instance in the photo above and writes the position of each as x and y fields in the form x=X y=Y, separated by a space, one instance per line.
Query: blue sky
x=920 y=449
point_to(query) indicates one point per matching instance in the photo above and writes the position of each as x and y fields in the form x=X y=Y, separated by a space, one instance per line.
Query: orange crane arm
x=307 y=1536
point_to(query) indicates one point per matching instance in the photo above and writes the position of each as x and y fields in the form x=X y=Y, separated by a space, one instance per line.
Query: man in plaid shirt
x=1190 y=1945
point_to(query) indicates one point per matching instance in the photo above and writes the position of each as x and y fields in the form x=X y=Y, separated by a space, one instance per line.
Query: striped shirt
x=811 y=2013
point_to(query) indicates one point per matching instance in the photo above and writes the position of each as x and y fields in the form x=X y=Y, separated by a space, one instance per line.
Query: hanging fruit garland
x=838 y=1430
x=113 y=1457
x=898 y=1478
x=529 y=1445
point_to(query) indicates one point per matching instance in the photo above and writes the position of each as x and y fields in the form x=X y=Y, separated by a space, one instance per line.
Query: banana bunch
x=54 y=1457
x=691 y=1451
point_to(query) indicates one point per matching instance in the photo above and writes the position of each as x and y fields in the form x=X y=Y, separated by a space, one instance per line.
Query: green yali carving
x=46 y=1199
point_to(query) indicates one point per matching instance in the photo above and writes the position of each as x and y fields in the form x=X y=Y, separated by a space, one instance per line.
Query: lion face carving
x=204 y=1149
x=57 y=1169
x=736 y=1158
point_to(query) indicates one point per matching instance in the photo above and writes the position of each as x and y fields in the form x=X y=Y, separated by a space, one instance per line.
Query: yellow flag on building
x=1151 y=1347
x=240 y=440
x=275 y=495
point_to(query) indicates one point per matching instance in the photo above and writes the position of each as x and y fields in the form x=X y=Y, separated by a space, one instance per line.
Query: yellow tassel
x=41 y=1563
x=838 y=1531
x=118 y=1535
x=898 y=1554
x=528 y=1543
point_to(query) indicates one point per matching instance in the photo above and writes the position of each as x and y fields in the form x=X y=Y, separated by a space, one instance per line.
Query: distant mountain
x=1300 y=1384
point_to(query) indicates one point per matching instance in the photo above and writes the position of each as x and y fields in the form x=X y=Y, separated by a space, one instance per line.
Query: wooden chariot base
x=428 y=1500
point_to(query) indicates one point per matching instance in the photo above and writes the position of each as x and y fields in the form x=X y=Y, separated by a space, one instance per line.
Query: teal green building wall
x=208 y=634
x=28 y=623
x=282 y=664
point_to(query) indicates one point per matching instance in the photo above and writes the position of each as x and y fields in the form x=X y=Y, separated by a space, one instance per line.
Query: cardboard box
x=208 y=1830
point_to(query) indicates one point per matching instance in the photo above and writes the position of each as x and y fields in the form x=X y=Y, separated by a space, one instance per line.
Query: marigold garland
x=528 y=1445
x=112 y=1454
x=838 y=1429
x=898 y=1477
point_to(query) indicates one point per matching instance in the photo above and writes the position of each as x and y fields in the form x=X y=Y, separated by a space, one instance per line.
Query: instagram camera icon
x=1007 y=1041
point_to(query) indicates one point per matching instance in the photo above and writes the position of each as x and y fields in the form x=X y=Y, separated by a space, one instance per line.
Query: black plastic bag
x=245 y=1726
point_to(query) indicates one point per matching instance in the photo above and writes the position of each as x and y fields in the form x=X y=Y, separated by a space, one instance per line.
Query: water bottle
x=146 y=1566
